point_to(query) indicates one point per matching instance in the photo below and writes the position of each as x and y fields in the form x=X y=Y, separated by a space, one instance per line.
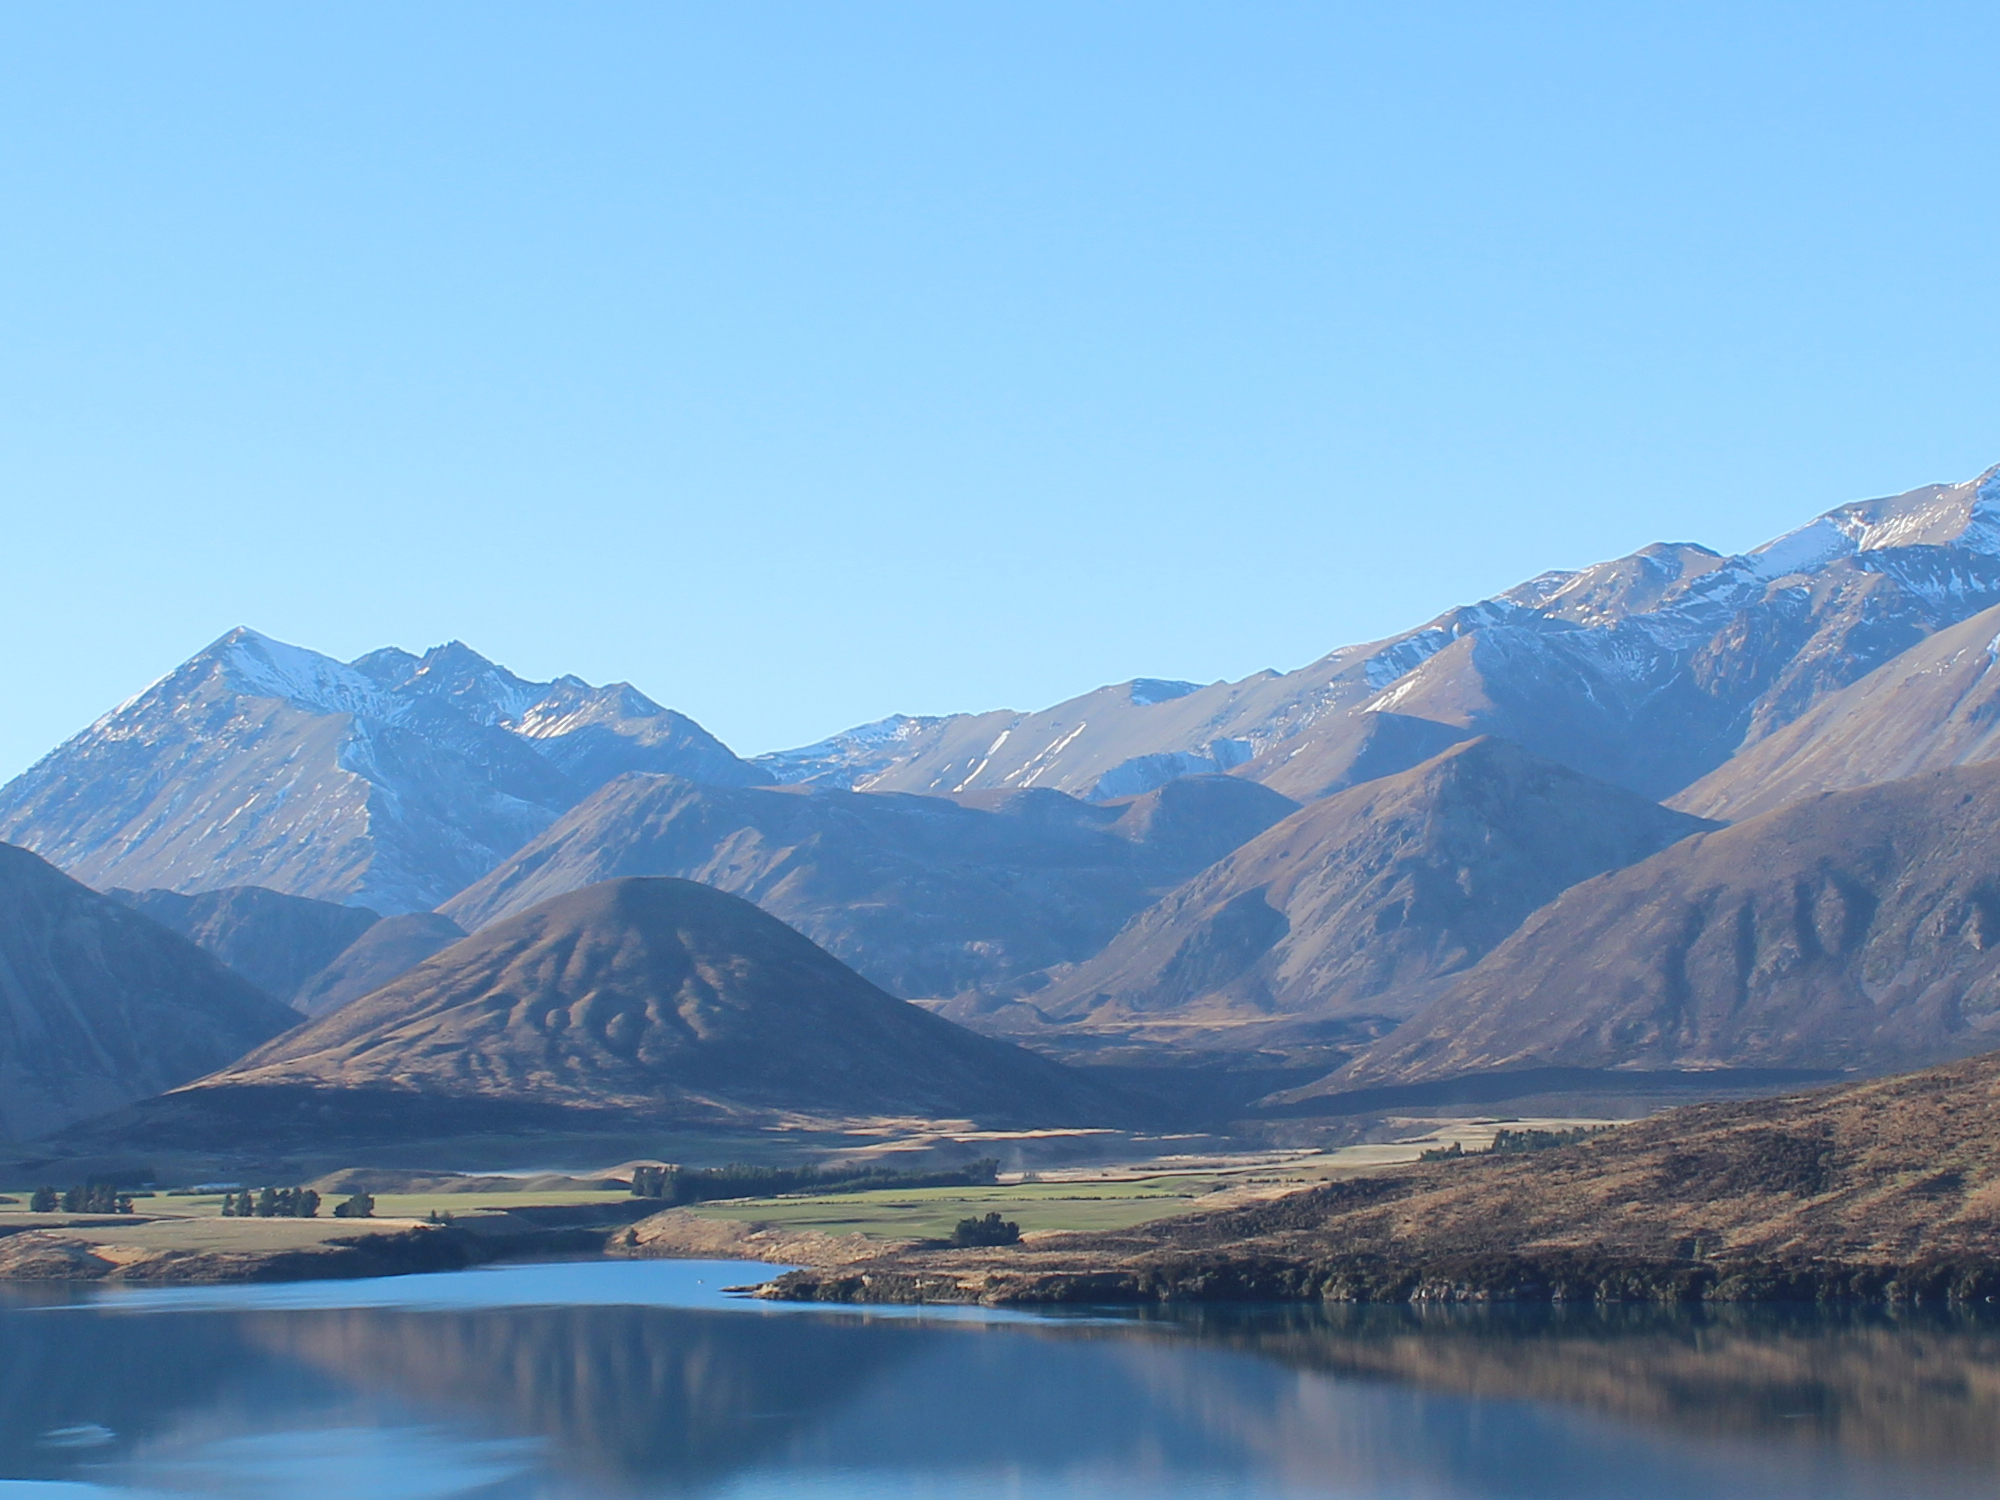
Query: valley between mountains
x=1679 y=827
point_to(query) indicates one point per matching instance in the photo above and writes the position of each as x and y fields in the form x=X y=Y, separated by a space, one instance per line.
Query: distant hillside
x=1864 y=1191
x=387 y=950
x=633 y=999
x=1647 y=671
x=277 y=942
x=1856 y=929
x=100 y=1005
x=926 y=896
x=1936 y=705
x=1345 y=905
x=388 y=782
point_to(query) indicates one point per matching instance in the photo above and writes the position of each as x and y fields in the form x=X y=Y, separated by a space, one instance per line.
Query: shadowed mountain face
x=1647 y=672
x=663 y=997
x=1350 y=901
x=387 y=950
x=277 y=942
x=1936 y=705
x=100 y=1005
x=1357 y=748
x=926 y=896
x=389 y=782
x=1858 y=929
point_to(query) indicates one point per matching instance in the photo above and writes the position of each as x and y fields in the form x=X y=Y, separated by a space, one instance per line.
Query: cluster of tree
x=90 y=1198
x=360 y=1206
x=674 y=1185
x=991 y=1230
x=271 y=1203
x=1516 y=1143
x=1509 y=1142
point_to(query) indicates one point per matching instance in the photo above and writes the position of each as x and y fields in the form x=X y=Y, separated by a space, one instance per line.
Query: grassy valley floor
x=433 y=1221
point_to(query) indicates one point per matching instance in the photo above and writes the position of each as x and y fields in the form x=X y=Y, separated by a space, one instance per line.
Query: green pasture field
x=421 y=1205
x=931 y=1213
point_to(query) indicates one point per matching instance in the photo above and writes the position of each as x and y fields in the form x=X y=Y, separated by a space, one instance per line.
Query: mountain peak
x=393 y=780
x=662 y=994
x=259 y=666
x=1965 y=515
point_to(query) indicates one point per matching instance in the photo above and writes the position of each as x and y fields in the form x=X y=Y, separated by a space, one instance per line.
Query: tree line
x=265 y=1203
x=674 y=1185
x=87 y=1198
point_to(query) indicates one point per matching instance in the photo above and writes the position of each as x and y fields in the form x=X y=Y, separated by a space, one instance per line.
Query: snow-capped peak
x=264 y=668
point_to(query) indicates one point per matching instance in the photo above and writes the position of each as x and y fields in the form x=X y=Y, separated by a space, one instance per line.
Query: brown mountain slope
x=1842 y=1192
x=386 y=951
x=1858 y=929
x=277 y=942
x=100 y=1005
x=1936 y=705
x=1348 y=750
x=926 y=896
x=658 y=996
x=1349 y=901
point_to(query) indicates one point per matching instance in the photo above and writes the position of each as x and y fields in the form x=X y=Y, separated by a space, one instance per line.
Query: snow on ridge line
x=273 y=669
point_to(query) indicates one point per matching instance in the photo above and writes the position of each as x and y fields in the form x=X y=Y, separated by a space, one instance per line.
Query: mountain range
x=1648 y=672
x=1855 y=930
x=1344 y=908
x=1676 y=811
x=927 y=896
x=391 y=781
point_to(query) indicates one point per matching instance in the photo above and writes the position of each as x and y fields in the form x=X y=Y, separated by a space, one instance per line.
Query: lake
x=646 y=1378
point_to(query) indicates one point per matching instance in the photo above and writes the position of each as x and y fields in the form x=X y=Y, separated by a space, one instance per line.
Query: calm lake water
x=644 y=1378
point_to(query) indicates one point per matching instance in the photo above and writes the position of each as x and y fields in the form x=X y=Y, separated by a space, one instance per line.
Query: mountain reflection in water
x=519 y=1395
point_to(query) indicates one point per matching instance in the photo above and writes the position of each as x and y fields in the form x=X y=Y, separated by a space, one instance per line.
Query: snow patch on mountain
x=835 y=758
x=392 y=781
x=1806 y=550
x=257 y=665
x=1146 y=691
x=1142 y=773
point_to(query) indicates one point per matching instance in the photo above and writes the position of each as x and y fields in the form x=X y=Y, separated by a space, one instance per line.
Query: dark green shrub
x=991 y=1230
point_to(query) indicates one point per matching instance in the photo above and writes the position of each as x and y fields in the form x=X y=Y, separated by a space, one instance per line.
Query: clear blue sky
x=803 y=363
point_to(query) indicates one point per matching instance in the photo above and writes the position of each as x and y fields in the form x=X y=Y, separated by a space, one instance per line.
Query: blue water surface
x=644 y=1378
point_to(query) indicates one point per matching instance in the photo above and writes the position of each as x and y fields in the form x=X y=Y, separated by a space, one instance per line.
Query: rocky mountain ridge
x=1647 y=671
x=392 y=781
